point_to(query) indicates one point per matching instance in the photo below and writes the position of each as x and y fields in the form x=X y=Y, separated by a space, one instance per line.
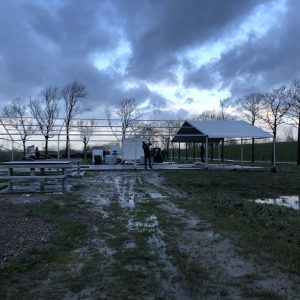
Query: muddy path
x=141 y=243
x=151 y=248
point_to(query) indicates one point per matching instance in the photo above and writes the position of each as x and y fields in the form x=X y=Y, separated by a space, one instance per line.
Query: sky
x=176 y=58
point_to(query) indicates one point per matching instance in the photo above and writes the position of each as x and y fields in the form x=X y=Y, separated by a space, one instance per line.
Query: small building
x=212 y=131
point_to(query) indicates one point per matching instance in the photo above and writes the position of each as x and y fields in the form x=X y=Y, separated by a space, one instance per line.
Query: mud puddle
x=146 y=246
x=287 y=201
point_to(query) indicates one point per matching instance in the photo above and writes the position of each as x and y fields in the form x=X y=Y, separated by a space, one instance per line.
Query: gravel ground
x=17 y=231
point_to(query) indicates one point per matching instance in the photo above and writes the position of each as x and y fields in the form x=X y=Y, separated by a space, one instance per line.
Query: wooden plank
x=28 y=177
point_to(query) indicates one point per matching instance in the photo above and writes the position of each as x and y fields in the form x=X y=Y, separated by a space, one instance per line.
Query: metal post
x=12 y=150
x=194 y=149
x=242 y=153
x=186 y=149
x=58 y=138
x=206 y=150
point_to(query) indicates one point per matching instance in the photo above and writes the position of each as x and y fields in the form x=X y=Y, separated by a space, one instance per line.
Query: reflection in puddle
x=287 y=201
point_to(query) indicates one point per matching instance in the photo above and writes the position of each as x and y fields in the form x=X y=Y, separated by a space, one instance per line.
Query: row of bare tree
x=39 y=115
x=45 y=110
x=280 y=106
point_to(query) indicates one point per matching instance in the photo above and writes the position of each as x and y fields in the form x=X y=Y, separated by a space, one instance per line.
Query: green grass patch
x=285 y=152
x=36 y=263
x=222 y=197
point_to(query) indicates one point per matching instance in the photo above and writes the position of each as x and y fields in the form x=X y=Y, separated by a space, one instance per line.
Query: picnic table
x=36 y=171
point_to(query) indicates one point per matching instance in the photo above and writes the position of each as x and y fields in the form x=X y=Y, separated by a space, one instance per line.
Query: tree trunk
x=67 y=141
x=24 y=149
x=46 y=146
x=298 y=143
x=273 y=150
x=252 y=151
x=85 y=144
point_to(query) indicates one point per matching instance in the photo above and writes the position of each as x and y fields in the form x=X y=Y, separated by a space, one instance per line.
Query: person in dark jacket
x=37 y=153
x=147 y=152
x=202 y=151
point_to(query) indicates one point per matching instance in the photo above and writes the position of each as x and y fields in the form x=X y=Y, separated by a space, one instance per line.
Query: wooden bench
x=34 y=171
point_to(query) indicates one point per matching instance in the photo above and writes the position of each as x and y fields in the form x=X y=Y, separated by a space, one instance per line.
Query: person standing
x=37 y=153
x=147 y=152
x=202 y=150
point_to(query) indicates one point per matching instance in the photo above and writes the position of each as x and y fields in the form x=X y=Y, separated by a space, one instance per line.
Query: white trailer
x=132 y=149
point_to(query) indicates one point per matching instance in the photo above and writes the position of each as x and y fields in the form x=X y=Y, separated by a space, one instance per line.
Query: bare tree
x=128 y=112
x=168 y=131
x=45 y=111
x=73 y=94
x=289 y=134
x=276 y=105
x=295 y=112
x=86 y=130
x=16 y=114
x=215 y=115
x=147 y=131
x=251 y=108
x=224 y=104
x=209 y=115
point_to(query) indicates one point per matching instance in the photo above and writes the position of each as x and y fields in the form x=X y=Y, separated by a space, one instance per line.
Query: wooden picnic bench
x=33 y=171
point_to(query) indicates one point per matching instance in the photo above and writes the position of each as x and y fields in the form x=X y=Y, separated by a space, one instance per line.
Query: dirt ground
x=142 y=246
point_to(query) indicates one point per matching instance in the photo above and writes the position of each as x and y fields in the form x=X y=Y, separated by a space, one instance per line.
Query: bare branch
x=16 y=113
x=73 y=94
x=45 y=111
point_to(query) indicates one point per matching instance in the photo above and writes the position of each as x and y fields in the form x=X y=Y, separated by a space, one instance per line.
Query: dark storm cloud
x=204 y=78
x=172 y=26
x=52 y=43
x=45 y=47
x=261 y=63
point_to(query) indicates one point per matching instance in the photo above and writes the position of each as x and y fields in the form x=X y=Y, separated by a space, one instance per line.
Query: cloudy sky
x=177 y=56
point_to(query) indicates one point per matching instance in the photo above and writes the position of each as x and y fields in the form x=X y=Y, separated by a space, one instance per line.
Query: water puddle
x=125 y=192
x=98 y=200
x=150 y=222
x=287 y=201
x=155 y=195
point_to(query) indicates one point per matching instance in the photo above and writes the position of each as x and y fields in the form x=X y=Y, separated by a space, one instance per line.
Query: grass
x=37 y=262
x=222 y=197
x=117 y=261
x=285 y=152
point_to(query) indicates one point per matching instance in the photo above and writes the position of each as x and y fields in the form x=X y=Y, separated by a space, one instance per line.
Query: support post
x=194 y=149
x=186 y=151
x=242 y=153
x=32 y=174
x=206 y=151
